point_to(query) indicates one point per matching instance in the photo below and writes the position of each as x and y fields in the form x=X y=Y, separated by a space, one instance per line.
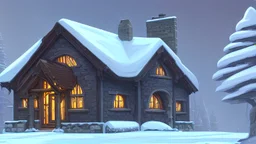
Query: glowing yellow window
x=178 y=106
x=35 y=103
x=24 y=103
x=67 y=60
x=160 y=71
x=77 y=101
x=155 y=102
x=119 y=101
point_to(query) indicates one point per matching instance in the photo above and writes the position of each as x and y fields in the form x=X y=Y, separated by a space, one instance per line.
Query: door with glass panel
x=49 y=113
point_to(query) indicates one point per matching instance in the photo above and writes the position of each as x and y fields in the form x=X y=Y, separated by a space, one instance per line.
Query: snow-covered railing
x=82 y=127
x=184 y=125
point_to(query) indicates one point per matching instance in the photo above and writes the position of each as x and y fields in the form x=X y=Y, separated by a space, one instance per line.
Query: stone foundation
x=19 y=125
x=85 y=127
x=15 y=126
x=184 y=125
x=118 y=130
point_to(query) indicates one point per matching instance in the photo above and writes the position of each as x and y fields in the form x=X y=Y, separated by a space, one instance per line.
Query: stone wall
x=164 y=29
x=163 y=86
x=19 y=125
x=87 y=127
x=184 y=125
x=15 y=126
x=128 y=90
x=182 y=95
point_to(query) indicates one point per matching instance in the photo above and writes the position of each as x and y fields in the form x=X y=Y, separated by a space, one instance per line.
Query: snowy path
x=124 y=138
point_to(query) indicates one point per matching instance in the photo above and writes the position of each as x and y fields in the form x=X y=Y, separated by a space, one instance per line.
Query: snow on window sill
x=155 y=110
x=161 y=77
x=180 y=113
x=120 y=109
x=78 y=110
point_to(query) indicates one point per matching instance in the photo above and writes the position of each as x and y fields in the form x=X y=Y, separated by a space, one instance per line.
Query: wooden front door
x=49 y=109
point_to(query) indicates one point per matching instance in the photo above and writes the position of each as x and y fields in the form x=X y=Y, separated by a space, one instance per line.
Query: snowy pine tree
x=237 y=68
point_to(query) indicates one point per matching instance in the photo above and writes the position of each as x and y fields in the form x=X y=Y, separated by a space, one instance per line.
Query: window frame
x=21 y=103
x=77 y=97
x=64 y=58
x=160 y=69
x=182 y=106
x=118 y=102
x=158 y=99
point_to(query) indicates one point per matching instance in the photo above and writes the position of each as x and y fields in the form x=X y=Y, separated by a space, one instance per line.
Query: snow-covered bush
x=121 y=126
x=156 y=126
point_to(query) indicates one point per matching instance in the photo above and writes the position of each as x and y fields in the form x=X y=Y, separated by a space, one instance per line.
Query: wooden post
x=101 y=99
x=31 y=111
x=58 y=120
x=139 y=102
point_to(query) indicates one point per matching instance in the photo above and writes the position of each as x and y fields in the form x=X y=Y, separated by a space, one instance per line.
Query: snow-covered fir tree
x=237 y=69
x=3 y=96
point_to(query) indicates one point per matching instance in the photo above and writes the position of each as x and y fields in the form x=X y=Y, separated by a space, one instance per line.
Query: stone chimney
x=125 y=30
x=164 y=28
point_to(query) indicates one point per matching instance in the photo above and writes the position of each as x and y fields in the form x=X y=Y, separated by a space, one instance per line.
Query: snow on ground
x=124 y=138
x=122 y=124
x=155 y=125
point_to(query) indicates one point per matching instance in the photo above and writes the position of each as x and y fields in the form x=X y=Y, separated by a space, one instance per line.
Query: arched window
x=119 y=101
x=160 y=71
x=77 y=100
x=67 y=60
x=155 y=102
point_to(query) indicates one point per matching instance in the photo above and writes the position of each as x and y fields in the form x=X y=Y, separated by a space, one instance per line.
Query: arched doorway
x=161 y=100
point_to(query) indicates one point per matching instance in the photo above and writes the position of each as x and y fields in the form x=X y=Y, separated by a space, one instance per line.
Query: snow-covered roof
x=13 y=69
x=124 y=58
x=249 y=19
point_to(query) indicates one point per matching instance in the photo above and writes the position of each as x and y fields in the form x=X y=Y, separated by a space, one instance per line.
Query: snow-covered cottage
x=78 y=73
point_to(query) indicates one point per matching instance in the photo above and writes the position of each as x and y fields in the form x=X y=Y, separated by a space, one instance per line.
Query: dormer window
x=160 y=71
x=67 y=60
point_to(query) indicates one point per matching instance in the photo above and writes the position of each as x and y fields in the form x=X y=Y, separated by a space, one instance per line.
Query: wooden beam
x=41 y=90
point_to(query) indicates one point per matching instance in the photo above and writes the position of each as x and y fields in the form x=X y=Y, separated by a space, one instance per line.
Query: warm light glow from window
x=160 y=71
x=67 y=60
x=77 y=101
x=155 y=102
x=119 y=101
x=46 y=85
x=24 y=103
x=35 y=103
x=178 y=106
x=77 y=90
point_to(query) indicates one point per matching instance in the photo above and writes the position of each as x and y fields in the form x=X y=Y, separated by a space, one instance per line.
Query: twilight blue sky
x=204 y=27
